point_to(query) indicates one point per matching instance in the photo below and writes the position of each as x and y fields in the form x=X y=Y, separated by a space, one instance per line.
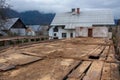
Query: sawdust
x=47 y=77
x=15 y=73
x=67 y=62
x=3 y=60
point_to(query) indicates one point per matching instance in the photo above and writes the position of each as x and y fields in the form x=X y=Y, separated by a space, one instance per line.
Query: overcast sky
x=65 y=5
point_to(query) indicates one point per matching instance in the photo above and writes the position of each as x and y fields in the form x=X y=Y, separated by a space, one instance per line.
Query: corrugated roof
x=84 y=19
x=3 y=33
x=9 y=23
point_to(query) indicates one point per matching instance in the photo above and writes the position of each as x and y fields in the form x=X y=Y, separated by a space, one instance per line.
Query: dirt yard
x=69 y=59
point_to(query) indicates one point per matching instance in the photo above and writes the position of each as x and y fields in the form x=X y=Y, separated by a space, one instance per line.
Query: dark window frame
x=64 y=35
x=55 y=34
x=55 y=38
x=71 y=35
x=109 y=29
x=63 y=27
x=55 y=29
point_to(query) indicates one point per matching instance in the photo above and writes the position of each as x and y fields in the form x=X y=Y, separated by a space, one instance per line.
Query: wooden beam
x=79 y=72
x=104 y=54
x=111 y=56
x=115 y=74
x=106 y=72
x=96 y=54
x=94 y=73
x=65 y=67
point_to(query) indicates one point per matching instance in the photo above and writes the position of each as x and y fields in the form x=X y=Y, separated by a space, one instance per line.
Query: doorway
x=71 y=35
x=90 y=31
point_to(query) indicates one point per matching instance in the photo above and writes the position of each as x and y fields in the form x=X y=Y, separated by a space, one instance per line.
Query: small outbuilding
x=40 y=30
x=14 y=27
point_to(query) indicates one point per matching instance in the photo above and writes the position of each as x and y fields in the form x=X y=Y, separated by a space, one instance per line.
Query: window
x=55 y=29
x=55 y=38
x=110 y=29
x=64 y=35
x=71 y=35
x=63 y=27
x=55 y=34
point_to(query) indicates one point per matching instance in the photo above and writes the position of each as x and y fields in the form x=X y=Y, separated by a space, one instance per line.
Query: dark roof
x=118 y=23
x=10 y=22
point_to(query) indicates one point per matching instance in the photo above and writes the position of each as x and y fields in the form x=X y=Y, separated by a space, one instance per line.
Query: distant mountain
x=32 y=17
x=12 y=13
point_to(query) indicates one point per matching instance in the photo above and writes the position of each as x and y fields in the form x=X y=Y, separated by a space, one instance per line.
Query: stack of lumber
x=104 y=68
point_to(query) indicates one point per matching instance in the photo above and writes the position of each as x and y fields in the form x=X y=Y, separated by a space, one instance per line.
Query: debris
x=68 y=59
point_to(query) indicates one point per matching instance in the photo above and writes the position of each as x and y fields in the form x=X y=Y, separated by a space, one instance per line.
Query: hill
x=32 y=17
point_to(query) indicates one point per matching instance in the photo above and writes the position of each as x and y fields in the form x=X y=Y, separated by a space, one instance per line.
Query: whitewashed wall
x=20 y=32
x=100 y=31
x=97 y=32
x=81 y=32
x=50 y=32
x=60 y=31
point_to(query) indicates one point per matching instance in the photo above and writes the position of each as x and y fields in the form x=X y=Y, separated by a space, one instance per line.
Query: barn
x=77 y=23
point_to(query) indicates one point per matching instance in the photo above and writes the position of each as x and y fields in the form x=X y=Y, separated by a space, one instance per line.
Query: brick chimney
x=78 y=10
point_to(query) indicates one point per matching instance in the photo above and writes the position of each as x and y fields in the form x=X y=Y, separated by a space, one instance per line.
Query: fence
x=6 y=41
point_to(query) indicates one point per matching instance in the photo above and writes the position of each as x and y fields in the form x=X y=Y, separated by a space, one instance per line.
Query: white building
x=39 y=29
x=92 y=23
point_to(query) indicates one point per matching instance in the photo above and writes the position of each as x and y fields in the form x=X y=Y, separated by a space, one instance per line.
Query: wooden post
x=40 y=39
x=14 y=42
x=6 y=43
x=22 y=41
x=29 y=40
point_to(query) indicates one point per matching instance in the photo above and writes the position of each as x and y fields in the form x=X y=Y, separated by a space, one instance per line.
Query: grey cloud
x=65 y=5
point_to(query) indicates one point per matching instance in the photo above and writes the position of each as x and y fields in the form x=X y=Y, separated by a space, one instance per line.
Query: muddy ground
x=58 y=58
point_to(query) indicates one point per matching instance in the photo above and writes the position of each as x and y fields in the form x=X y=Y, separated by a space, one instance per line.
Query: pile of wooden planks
x=104 y=68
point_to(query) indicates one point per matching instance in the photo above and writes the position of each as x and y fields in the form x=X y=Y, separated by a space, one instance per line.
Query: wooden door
x=90 y=31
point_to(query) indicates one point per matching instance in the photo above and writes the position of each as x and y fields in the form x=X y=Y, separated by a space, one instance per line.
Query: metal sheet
x=85 y=18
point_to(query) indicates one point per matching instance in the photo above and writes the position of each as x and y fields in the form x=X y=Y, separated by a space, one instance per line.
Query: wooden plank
x=104 y=55
x=27 y=61
x=94 y=72
x=73 y=79
x=77 y=73
x=97 y=52
x=115 y=75
x=33 y=54
x=20 y=59
x=86 y=56
x=6 y=67
x=14 y=60
x=65 y=67
x=106 y=72
x=111 y=56
x=70 y=68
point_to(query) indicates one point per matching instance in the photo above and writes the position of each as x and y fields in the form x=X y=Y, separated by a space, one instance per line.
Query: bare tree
x=116 y=40
x=3 y=6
